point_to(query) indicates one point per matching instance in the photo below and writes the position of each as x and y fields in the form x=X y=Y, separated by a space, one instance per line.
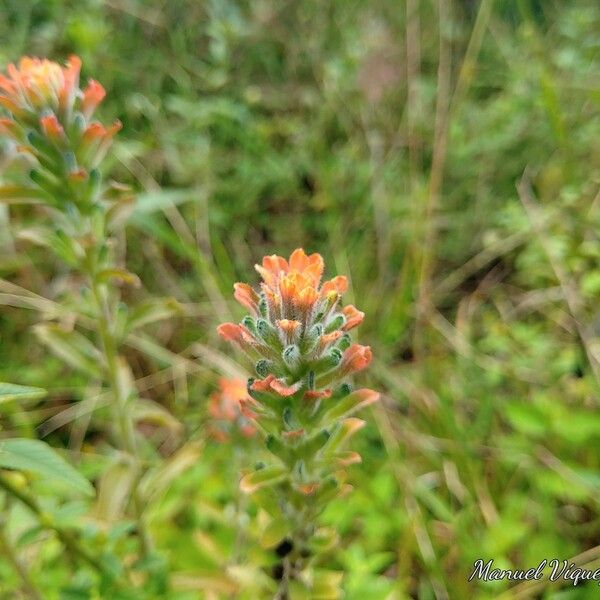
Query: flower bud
x=292 y=357
x=289 y=419
x=267 y=332
x=330 y=361
x=311 y=339
x=335 y=323
x=249 y=323
x=263 y=367
x=345 y=342
x=263 y=307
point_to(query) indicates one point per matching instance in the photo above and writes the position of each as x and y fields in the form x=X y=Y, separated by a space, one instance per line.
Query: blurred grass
x=389 y=137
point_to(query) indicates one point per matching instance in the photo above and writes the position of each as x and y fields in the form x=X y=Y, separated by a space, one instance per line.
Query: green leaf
x=341 y=434
x=526 y=418
x=38 y=457
x=349 y=405
x=12 y=391
x=261 y=478
x=327 y=585
x=114 y=490
x=121 y=275
x=153 y=412
x=152 y=310
x=18 y=194
x=274 y=532
x=323 y=540
x=71 y=347
x=156 y=201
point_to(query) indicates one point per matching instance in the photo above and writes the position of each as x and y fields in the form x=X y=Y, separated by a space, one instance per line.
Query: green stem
x=68 y=539
x=124 y=422
x=303 y=518
x=9 y=552
x=283 y=591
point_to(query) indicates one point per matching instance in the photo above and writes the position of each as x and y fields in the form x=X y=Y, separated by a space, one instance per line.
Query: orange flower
x=356 y=358
x=338 y=284
x=353 y=316
x=44 y=96
x=297 y=328
x=307 y=489
x=92 y=96
x=329 y=338
x=290 y=326
x=231 y=332
x=37 y=83
x=289 y=330
x=311 y=266
x=228 y=412
x=246 y=296
x=263 y=385
x=52 y=128
x=296 y=281
x=97 y=131
x=272 y=266
x=271 y=383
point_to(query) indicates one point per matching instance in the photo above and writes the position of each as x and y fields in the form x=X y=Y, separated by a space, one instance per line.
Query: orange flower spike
x=93 y=94
x=40 y=82
x=354 y=317
x=303 y=357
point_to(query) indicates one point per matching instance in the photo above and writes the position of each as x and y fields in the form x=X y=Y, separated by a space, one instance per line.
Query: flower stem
x=282 y=591
x=68 y=539
x=9 y=552
x=123 y=418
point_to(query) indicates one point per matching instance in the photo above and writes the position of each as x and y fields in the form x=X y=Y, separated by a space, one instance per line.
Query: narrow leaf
x=262 y=478
x=72 y=347
x=349 y=405
x=12 y=391
x=151 y=311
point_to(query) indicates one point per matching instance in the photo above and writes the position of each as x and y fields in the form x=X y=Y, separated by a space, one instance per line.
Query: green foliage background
x=393 y=146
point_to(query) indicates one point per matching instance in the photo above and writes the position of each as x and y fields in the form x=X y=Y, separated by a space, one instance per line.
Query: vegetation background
x=446 y=156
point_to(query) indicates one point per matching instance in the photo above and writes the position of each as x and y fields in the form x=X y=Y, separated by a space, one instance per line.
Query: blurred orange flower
x=228 y=410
